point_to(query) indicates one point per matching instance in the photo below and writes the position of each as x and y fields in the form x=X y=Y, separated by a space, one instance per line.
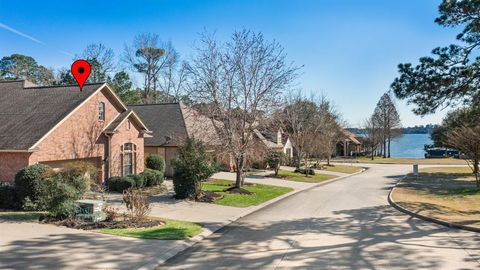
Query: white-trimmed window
x=129 y=153
x=101 y=111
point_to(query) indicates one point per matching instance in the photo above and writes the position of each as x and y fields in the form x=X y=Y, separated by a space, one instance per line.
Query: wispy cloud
x=8 y=28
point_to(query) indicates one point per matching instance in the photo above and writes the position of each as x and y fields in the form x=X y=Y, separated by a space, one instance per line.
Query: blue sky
x=350 y=49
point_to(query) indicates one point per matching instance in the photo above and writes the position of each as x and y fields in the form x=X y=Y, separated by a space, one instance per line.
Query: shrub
x=274 y=159
x=82 y=168
x=152 y=177
x=190 y=168
x=155 y=162
x=137 y=205
x=27 y=184
x=7 y=196
x=59 y=192
x=138 y=179
x=120 y=183
x=305 y=171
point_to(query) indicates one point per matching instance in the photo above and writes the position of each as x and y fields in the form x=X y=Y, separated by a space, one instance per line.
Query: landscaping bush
x=155 y=162
x=59 y=192
x=27 y=185
x=82 y=168
x=190 y=168
x=138 y=179
x=7 y=196
x=305 y=171
x=120 y=183
x=138 y=206
x=274 y=159
x=152 y=177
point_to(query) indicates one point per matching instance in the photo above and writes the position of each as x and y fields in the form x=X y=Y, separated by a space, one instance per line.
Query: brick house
x=171 y=125
x=56 y=125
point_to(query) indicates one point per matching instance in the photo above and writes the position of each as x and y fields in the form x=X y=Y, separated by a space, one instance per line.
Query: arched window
x=101 y=111
x=129 y=153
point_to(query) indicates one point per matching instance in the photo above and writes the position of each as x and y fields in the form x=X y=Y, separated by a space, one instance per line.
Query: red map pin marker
x=81 y=70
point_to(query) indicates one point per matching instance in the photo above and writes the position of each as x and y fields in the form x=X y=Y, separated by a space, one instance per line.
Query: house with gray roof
x=55 y=125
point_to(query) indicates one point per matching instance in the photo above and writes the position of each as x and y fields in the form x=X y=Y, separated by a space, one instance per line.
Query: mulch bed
x=235 y=190
x=208 y=196
x=89 y=225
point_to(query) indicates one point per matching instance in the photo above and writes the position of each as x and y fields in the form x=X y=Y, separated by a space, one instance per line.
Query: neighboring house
x=349 y=144
x=276 y=140
x=172 y=124
x=56 y=125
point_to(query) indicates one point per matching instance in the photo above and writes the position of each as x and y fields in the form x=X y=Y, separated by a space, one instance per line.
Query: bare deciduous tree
x=467 y=140
x=372 y=134
x=156 y=61
x=101 y=59
x=241 y=82
x=388 y=120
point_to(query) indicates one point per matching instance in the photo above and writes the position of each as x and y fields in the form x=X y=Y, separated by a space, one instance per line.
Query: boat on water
x=440 y=152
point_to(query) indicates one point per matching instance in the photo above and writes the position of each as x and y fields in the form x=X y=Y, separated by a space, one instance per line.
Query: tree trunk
x=239 y=174
x=475 y=171
x=328 y=160
x=389 y=139
x=384 y=147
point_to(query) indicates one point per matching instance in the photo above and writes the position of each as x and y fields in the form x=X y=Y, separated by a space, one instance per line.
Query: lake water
x=410 y=145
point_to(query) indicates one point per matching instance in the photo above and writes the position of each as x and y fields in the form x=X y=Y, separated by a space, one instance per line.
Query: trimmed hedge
x=139 y=180
x=27 y=183
x=152 y=177
x=155 y=162
x=7 y=196
x=120 y=183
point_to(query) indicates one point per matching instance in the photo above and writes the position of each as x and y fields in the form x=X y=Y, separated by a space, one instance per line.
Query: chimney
x=279 y=137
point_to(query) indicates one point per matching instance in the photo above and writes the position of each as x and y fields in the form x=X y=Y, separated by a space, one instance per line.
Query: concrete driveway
x=347 y=224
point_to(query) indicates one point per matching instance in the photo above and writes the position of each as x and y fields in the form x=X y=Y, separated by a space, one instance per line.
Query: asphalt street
x=347 y=224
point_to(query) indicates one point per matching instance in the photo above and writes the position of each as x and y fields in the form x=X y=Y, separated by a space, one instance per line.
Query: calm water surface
x=410 y=145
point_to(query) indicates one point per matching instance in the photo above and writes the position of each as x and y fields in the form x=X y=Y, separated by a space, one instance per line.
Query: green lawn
x=21 y=216
x=446 y=193
x=342 y=168
x=293 y=176
x=262 y=194
x=172 y=230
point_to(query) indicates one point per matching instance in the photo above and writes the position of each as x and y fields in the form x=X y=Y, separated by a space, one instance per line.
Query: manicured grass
x=21 y=216
x=172 y=230
x=262 y=192
x=293 y=176
x=342 y=168
x=380 y=160
x=446 y=193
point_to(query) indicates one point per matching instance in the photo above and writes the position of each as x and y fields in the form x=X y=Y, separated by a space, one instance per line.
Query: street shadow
x=366 y=238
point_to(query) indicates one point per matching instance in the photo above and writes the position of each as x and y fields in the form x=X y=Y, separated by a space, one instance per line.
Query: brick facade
x=10 y=164
x=80 y=137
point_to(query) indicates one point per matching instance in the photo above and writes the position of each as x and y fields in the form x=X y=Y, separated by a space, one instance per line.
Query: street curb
x=209 y=231
x=452 y=225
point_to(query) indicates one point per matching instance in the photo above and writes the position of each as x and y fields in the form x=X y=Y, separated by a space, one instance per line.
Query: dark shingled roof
x=172 y=123
x=165 y=121
x=27 y=114
x=117 y=121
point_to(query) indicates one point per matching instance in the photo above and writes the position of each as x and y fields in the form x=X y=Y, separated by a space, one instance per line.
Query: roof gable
x=28 y=114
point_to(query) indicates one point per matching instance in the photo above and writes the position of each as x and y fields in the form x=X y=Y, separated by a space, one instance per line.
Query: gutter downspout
x=107 y=158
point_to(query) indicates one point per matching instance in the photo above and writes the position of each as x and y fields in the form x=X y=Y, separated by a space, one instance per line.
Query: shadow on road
x=365 y=238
